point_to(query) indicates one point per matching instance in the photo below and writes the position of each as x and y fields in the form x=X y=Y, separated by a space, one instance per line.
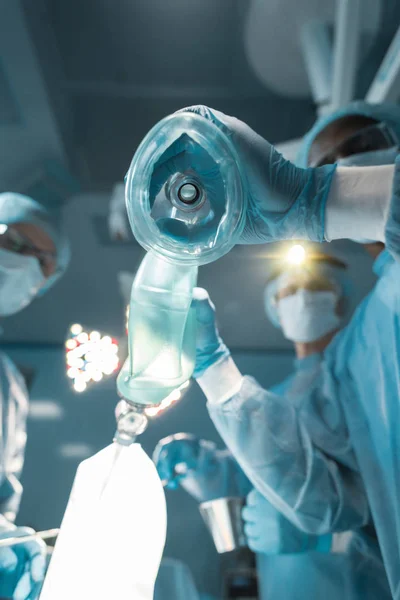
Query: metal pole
x=386 y=84
x=317 y=53
x=38 y=535
x=347 y=34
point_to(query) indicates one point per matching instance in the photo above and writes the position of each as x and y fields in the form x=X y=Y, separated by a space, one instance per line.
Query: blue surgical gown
x=327 y=452
x=357 y=573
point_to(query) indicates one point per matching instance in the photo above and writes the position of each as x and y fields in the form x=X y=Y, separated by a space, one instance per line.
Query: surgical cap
x=389 y=114
x=325 y=268
x=17 y=208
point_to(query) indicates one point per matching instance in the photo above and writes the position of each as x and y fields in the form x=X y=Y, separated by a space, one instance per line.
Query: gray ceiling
x=101 y=73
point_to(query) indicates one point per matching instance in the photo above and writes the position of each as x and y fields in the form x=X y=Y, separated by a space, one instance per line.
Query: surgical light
x=71 y=344
x=89 y=357
x=296 y=255
x=76 y=329
x=79 y=385
x=83 y=337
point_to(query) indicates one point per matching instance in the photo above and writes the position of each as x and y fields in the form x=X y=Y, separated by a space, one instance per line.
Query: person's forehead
x=36 y=235
x=335 y=133
x=311 y=276
x=296 y=277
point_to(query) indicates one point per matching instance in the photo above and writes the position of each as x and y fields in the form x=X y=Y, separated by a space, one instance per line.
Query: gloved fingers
x=164 y=465
x=8 y=560
x=171 y=483
x=38 y=568
x=251 y=530
x=205 y=309
x=24 y=586
x=33 y=555
x=207 y=462
x=254 y=498
x=36 y=553
x=35 y=591
x=168 y=454
x=261 y=546
x=266 y=541
x=255 y=545
x=249 y=515
x=254 y=540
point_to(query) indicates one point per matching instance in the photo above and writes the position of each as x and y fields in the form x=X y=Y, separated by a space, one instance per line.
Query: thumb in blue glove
x=210 y=348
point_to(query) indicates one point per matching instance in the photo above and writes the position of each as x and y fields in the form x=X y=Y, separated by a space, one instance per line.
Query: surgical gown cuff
x=221 y=381
x=324 y=543
x=358 y=203
x=392 y=229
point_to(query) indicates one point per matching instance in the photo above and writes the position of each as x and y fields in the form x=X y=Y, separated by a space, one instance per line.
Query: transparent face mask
x=184 y=191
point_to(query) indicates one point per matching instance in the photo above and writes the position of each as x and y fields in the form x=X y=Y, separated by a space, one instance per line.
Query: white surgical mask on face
x=20 y=280
x=307 y=315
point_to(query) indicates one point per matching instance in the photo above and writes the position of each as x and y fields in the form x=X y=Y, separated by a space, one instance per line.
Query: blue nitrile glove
x=203 y=471
x=283 y=201
x=22 y=567
x=269 y=532
x=210 y=348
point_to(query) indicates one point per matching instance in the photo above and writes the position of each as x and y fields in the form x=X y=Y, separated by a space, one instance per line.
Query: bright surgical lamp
x=89 y=357
x=296 y=255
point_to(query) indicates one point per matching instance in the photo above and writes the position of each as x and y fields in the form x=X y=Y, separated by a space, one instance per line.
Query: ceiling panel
x=109 y=129
x=148 y=42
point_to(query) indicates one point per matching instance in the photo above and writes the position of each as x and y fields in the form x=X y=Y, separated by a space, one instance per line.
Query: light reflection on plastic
x=170 y=400
x=89 y=357
x=127 y=319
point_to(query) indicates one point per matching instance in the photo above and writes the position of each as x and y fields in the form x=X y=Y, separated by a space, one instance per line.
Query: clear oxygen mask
x=184 y=191
x=184 y=197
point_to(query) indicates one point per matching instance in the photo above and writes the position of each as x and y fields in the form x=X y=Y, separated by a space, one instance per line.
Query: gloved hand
x=203 y=471
x=269 y=532
x=22 y=567
x=209 y=346
x=283 y=201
